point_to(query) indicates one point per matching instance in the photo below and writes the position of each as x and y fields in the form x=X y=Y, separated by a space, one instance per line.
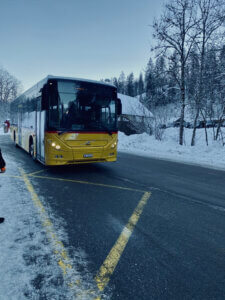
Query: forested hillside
x=187 y=64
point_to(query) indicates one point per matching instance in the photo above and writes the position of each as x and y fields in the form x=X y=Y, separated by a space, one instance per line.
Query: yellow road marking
x=90 y=183
x=106 y=270
x=59 y=250
x=47 y=224
x=111 y=261
x=33 y=173
x=13 y=176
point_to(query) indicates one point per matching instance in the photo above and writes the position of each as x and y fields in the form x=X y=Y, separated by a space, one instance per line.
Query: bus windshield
x=82 y=106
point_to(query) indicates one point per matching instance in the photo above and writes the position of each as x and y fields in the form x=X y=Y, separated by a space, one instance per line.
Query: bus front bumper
x=79 y=157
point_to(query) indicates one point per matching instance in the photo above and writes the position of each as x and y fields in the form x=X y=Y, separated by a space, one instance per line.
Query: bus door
x=20 y=118
x=40 y=131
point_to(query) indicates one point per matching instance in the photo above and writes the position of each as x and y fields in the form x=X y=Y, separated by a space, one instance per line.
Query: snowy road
x=148 y=229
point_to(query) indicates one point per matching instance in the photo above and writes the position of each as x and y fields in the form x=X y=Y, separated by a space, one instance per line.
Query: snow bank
x=28 y=269
x=212 y=156
x=28 y=265
x=2 y=131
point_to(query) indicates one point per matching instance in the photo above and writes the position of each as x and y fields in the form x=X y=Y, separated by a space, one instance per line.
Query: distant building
x=135 y=118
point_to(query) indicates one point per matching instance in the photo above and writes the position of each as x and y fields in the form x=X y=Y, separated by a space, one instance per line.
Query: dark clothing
x=2 y=162
x=2 y=166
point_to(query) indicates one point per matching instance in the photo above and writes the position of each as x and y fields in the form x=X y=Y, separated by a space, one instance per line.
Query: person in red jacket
x=6 y=126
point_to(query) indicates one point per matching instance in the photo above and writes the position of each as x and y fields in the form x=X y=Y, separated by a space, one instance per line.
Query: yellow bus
x=63 y=121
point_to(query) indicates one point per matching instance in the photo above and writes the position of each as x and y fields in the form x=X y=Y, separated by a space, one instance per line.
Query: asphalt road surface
x=176 y=247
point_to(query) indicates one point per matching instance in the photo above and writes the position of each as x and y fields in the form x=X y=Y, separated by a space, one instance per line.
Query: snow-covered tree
x=176 y=31
x=210 y=21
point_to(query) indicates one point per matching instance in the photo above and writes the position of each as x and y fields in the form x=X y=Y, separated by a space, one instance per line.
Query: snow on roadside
x=212 y=156
x=28 y=265
x=2 y=131
x=28 y=268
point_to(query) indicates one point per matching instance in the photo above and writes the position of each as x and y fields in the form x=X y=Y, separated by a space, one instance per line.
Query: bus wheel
x=31 y=149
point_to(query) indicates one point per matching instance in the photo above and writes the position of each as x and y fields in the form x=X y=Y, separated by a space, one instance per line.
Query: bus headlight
x=54 y=145
x=113 y=145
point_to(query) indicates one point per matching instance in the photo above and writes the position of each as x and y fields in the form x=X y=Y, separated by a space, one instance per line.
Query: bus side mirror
x=119 y=107
x=44 y=99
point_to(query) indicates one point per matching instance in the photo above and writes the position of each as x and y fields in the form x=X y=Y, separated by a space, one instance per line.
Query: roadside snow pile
x=2 y=131
x=29 y=265
x=212 y=156
x=28 y=268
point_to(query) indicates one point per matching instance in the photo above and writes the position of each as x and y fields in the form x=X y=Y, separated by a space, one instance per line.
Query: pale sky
x=90 y=39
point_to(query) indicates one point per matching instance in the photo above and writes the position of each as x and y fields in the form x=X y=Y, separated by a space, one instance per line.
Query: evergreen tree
x=140 y=85
x=173 y=79
x=160 y=82
x=121 y=83
x=211 y=75
x=130 y=85
x=136 y=87
x=193 y=71
x=150 y=84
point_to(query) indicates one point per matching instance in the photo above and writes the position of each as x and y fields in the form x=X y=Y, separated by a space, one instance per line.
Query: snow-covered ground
x=212 y=156
x=29 y=263
x=28 y=270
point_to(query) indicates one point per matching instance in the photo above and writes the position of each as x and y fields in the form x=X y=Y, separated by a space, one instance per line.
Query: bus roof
x=79 y=79
x=35 y=89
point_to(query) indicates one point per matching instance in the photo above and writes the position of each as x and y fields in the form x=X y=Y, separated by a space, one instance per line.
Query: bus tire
x=31 y=148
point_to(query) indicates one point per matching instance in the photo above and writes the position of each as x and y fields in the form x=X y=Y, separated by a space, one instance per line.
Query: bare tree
x=176 y=33
x=211 y=19
x=220 y=103
x=9 y=88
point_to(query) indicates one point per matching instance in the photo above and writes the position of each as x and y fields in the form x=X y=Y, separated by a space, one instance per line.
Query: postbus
x=64 y=121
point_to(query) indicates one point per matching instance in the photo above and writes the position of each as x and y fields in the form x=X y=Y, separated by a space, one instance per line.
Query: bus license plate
x=88 y=155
